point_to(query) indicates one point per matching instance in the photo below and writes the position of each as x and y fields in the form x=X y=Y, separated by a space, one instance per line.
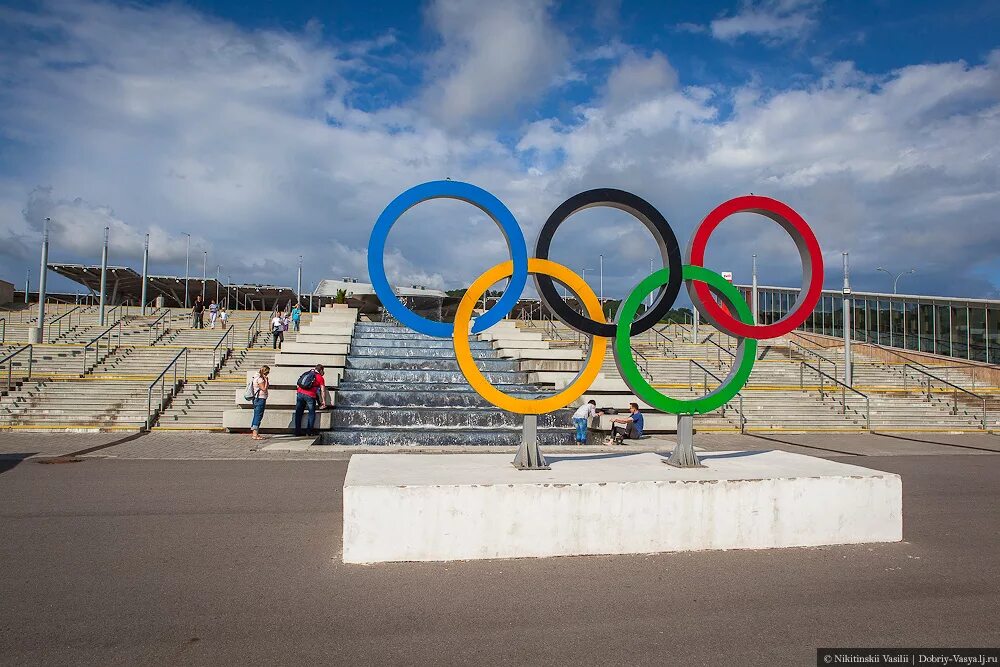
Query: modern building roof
x=355 y=288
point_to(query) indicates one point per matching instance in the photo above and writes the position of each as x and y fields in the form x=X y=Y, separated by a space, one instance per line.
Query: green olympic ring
x=746 y=351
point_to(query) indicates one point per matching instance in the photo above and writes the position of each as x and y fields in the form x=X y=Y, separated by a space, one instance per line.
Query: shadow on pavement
x=10 y=461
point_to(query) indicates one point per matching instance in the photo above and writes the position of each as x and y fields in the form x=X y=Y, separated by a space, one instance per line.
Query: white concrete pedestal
x=437 y=507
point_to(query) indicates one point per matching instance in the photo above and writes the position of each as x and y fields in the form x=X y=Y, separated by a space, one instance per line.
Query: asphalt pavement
x=112 y=561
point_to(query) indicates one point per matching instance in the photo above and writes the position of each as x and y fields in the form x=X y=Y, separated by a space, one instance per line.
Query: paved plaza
x=136 y=553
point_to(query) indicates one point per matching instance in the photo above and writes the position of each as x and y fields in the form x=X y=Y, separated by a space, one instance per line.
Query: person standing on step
x=223 y=316
x=581 y=419
x=296 y=316
x=277 y=333
x=626 y=427
x=310 y=388
x=198 y=313
x=257 y=392
x=213 y=312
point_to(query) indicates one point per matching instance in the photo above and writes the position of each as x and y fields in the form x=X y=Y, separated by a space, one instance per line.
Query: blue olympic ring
x=482 y=200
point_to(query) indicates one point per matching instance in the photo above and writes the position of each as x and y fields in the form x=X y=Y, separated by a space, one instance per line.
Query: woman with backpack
x=257 y=392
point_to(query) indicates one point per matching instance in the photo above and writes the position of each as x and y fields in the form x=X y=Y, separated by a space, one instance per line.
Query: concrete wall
x=6 y=293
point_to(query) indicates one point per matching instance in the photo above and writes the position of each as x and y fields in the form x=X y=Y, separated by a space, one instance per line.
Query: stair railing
x=820 y=359
x=3 y=330
x=663 y=342
x=719 y=349
x=9 y=360
x=159 y=324
x=642 y=365
x=253 y=331
x=706 y=373
x=826 y=379
x=96 y=344
x=220 y=354
x=955 y=389
x=68 y=316
x=165 y=394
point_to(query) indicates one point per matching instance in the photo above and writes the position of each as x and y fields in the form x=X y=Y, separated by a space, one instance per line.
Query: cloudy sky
x=269 y=131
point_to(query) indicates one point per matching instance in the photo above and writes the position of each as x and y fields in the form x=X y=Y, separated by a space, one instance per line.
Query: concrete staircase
x=786 y=391
x=405 y=388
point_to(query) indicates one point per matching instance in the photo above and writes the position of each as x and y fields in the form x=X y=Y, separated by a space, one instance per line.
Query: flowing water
x=405 y=388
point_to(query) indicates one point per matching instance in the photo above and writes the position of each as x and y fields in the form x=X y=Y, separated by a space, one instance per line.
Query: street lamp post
x=848 y=361
x=218 y=271
x=896 y=277
x=104 y=274
x=145 y=270
x=753 y=288
x=602 y=281
x=187 y=267
x=649 y=297
x=204 y=275
x=37 y=333
x=298 y=283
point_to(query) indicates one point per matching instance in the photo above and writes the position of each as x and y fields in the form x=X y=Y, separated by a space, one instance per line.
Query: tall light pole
x=896 y=277
x=753 y=289
x=104 y=274
x=204 y=275
x=187 y=267
x=649 y=297
x=602 y=281
x=298 y=284
x=145 y=273
x=27 y=284
x=848 y=362
x=218 y=271
x=36 y=334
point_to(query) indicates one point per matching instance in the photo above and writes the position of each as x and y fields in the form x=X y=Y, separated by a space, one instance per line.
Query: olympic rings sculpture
x=730 y=314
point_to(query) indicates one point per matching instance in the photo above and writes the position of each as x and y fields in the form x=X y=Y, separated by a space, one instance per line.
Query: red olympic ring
x=809 y=253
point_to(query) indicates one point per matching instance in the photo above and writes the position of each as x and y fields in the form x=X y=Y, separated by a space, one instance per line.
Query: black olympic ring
x=654 y=221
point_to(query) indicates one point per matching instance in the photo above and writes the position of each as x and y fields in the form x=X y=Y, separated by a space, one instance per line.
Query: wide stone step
x=482 y=418
x=428 y=343
x=418 y=363
x=461 y=396
x=442 y=437
x=376 y=377
x=418 y=352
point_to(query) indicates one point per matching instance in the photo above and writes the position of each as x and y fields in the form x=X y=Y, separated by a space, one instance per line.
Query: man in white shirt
x=582 y=417
x=277 y=330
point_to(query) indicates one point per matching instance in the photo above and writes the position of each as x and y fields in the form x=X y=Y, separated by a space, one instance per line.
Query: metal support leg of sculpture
x=529 y=456
x=683 y=455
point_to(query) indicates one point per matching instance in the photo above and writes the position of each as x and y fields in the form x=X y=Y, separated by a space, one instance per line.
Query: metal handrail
x=3 y=330
x=954 y=387
x=97 y=348
x=159 y=323
x=253 y=333
x=816 y=354
x=719 y=349
x=706 y=373
x=164 y=394
x=667 y=346
x=644 y=366
x=222 y=354
x=844 y=388
x=10 y=364
x=58 y=320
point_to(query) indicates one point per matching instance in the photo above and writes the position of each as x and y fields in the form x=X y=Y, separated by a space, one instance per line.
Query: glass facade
x=965 y=328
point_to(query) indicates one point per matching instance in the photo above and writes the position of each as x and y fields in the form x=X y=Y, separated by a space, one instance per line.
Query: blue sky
x=271 y=129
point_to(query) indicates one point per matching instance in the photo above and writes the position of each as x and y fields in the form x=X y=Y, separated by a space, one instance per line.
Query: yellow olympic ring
x=463 y=352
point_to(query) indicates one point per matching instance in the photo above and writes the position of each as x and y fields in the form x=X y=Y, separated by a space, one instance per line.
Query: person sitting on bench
x=627 y=427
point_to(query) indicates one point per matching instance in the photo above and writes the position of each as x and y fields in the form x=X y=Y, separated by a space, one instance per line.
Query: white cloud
x=159 y=119
x=636 y=78
x=773 y=21
x=494 y=57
